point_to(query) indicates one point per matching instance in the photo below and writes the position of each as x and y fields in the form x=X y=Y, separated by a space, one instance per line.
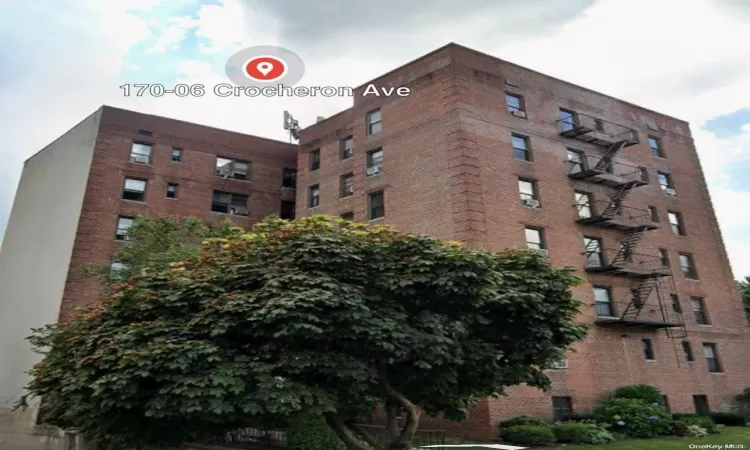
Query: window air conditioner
x=142 y=159
x=374 y=170
x=530 y=203
x=670 y=192
x=518 y=113
x=561 y=364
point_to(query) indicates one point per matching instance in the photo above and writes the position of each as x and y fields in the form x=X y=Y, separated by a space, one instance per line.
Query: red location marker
x=265 y=68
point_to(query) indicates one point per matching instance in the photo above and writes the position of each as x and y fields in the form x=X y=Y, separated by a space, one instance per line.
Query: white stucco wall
x=37 y=247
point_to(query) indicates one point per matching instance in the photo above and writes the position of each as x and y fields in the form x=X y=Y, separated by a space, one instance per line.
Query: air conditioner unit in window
x=530 y=203
x=670 y=192
x=518 y=113
x=349 y=190
x=374 y=170
x=543 y=251
x=561 y=364
x=238 y=211
x=142 y=159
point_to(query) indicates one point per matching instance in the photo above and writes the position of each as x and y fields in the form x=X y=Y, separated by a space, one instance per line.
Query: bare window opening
x=347 y=147
x=314 y=160
x=176 y=154
x=288 y=210
x=289 y=178
x=347 y=185
x=140 y=153
x=373 y=122
x=376 y=205
x=172 y=190
x=123 y=223
x=314 y=196
x=603 y=300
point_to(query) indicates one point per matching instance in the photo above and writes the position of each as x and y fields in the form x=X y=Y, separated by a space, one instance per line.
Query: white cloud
x=680 y=57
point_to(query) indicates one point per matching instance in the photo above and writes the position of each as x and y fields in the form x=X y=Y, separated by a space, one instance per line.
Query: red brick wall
x=449 y=171
x=95 y=241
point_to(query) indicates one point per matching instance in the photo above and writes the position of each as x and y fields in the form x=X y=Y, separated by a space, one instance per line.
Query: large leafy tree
x=320 y=316
x=744 y=288
x=155 y=242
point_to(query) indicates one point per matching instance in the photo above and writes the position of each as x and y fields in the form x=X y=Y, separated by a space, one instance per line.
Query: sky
x=685 y=58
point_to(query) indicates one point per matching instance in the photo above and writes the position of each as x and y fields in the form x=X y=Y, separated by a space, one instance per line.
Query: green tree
x=320 y=316
x=156 y=241
x=744 y=288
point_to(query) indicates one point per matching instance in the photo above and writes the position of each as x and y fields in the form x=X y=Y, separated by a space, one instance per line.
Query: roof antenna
x=292 y=126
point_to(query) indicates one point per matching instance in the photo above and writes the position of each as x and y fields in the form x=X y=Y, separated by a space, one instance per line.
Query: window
x=528 y=192
x=289 y=178
x=676 y=305
x=535 y=238
x=665 y=403
x=655 y=144
x=699 y=311
x=593 y=247
x=712 y=358
x=140 y=153
x=701 y=404
x=376 y=205
x=232 y=168
x=288 y=211
x=314 y=196
x=688 y=350
x=134 y=190
x=575 y=161
x=176 y=154
x=654 y=214
x=567 y=120
x=648 y=349
x=224 y=202
x=116 y=269
x=583 y=203
x=314 y=160
x=373 y=119
x=347 y=185
x=603 y=299
x=123 y=223
x=664 y=257
x=171 y=190
x=347 y=147
x=562 y=407
x=374 y=161
x=665 y=181
x=675 y=220
x=688 y=266
x=514 y=102
x=348 y=216
x=521 y=147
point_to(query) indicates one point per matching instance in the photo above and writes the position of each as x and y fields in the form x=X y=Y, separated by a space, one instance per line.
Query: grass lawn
x=737 y=436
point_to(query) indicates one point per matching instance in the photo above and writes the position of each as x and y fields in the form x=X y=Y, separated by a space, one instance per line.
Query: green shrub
x=635 y=418
x=572 y=432
x=744 y=398
x=601 y=436
x=728 y=419
x=683 y=421
x=521 y=420
x=648 y=394
x=311 y=433
x=579 y=417
x=530 y=435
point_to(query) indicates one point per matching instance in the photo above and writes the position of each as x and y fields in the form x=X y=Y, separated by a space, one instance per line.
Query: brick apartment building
x=78 y=195
x=482 y=151
x=496 y=155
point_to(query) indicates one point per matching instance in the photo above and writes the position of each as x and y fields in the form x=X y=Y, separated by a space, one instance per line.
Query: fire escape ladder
x=613 y=208
x=678 y=332
x=627 y=246
x=605 y=162
x=639 y=295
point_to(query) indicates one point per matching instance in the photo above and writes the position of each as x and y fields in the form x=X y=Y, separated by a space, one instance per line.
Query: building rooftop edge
x=464 y=48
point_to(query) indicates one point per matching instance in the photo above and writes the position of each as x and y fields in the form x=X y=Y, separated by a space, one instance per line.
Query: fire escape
x=646 y=305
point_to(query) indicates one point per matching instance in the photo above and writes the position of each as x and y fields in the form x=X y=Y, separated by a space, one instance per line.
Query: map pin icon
x=265 y=67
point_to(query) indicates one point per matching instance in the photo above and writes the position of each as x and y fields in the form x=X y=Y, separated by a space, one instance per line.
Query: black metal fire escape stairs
x=650 y=278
